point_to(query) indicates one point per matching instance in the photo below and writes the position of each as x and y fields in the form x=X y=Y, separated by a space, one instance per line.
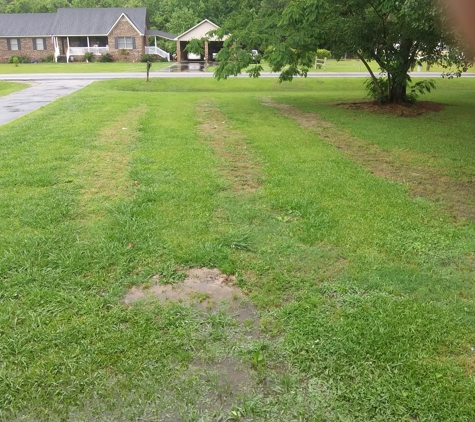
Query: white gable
x=199 y=31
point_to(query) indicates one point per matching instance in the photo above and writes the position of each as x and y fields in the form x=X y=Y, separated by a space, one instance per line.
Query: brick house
x=26 y=34
x=69 y=33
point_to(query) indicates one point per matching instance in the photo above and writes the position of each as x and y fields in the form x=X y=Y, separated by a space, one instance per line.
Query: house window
x=127 y=43
x=14 y=44
x=39 y=44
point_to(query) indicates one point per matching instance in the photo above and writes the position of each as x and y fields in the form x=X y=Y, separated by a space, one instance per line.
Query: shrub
x=89 y=56
x=48 y=59
x=19 y=59
x=106 y=58
x=148 y=58
x=322 y=53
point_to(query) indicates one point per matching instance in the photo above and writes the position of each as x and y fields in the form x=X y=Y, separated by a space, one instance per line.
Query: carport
x=212 y=44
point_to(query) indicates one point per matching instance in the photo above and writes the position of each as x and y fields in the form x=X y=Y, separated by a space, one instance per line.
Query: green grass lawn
x=9 y=87
x=365 y=292
x=78 y=67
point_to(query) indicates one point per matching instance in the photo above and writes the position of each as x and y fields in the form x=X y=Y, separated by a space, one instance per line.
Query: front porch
x=72 y=47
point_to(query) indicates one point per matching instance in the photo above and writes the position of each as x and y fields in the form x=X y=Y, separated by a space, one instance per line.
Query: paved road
x=48 y=87
x=37 y=95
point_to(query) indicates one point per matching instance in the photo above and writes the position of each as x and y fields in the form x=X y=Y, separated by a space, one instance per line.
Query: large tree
x=397 y=34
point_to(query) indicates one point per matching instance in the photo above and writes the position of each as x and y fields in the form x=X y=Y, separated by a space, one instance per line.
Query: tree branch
x=374 y=78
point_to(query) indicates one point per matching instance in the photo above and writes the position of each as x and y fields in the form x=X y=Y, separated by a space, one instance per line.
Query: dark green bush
x=48 y=59
x=148 y=58
x=89 y=56
x=105 y=58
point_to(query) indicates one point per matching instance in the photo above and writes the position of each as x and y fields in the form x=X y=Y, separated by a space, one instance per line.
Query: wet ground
x=206 y=288
x=187 y=67
x=37 y=95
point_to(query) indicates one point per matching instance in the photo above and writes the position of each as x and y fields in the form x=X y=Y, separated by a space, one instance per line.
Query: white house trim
x=196 y=26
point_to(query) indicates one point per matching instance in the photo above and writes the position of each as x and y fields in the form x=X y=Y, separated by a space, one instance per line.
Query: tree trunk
x=398 y=93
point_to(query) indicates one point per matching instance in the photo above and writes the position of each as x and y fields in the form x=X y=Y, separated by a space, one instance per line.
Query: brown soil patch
x=240 y=166
x=200 y=285
x=206 y=288
x=422 y=181
x=412 y=110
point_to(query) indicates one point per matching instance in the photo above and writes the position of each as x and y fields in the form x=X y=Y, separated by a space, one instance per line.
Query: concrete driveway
x=37 y=95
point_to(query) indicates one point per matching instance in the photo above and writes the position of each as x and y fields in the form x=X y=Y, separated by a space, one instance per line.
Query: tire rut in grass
x=239 y=164
x=455 y=196
x=105 y=174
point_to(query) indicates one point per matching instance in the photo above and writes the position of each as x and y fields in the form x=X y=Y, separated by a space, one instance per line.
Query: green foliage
x=48 y=59
x=392 y=33
x=148 y=58
x=420 y=88
x=105 y=58
x=89 y=56
x=322 y=53
x=18 y=59
x=196 y=46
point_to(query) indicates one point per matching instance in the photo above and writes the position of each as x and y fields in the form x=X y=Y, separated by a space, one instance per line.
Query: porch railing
x=80 y=51
x=157 y=51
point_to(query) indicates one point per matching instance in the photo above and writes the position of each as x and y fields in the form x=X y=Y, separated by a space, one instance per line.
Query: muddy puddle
x=206 y=288
x=223 y=378
x=203 y=285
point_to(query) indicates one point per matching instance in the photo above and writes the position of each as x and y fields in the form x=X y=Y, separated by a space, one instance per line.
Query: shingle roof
x=96 y=21
x=161 y=34
x=26 y=24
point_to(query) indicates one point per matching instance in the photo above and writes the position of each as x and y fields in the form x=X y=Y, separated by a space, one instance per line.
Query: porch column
x=88 y=47
x=55 y=47
x=178 y=51
x=67 y=52
x=155 y=41
x=206 y=51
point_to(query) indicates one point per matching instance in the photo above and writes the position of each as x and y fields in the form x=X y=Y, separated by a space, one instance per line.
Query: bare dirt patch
x=240 y=166
x=201 y=285
x=402 y=110
x=422 y=181
x=206 y=288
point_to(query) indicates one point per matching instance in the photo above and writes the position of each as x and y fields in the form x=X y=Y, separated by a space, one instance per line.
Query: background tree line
x=173 y=16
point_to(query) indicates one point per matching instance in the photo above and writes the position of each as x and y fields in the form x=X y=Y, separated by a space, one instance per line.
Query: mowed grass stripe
x=239 y=164
x=361 y=210
x=105 y=171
